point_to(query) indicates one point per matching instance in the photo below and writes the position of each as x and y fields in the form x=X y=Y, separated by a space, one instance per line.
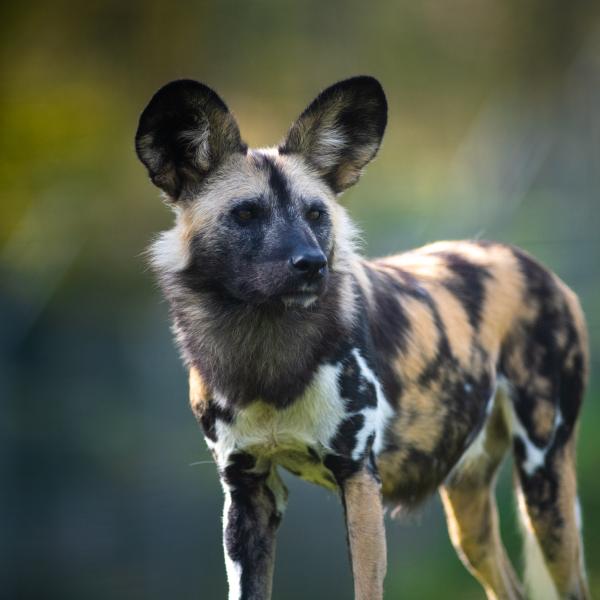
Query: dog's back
x=450 y=322
x=479 y=345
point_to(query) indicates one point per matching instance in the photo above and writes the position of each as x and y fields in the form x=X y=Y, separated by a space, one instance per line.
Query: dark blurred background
x=107 y=487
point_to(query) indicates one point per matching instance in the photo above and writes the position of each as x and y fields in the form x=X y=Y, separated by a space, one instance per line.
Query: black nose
x=309 y=263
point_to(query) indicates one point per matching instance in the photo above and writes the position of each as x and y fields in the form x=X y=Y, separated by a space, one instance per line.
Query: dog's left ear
x=185 y=132
x=341 y=130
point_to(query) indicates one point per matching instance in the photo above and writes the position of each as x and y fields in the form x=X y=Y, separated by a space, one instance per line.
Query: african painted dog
x=383 y=379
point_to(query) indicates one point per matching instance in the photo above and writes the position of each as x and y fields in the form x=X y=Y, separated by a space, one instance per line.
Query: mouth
x=302 y=299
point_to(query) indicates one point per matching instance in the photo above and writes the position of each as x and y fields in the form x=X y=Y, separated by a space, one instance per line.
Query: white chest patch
x=299 y=436
x=266 y=431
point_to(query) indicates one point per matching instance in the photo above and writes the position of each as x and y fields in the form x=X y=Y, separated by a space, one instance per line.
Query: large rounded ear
x=341 y=130
x=184 y=133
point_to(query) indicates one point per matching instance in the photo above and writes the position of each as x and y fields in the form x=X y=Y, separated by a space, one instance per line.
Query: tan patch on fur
x=301 y=177
x=423 y=338
x=198 y=393
x=366 y=535
x=236 y=179
x=187 y=227
x=363 y=281
x=456 y=323
x=472 y=519
x=427 y=268
x=419 y=425
x=515 y=365
x=578 y=316
x=544 y=414
x=504 y=292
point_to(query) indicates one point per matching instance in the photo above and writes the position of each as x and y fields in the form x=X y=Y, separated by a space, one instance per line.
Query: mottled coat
x=384 y=379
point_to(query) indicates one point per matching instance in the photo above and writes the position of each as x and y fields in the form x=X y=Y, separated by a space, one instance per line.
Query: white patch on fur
x=276 y=486
x=578 y=517
x=311 y=420
x=170 y=252
x=283 y=435
x=535 y=457
x=376 y=418
x=233 y=568
x=538 y=580
x=303 y=300
x=197 y=139
x=579 y=523
x=330 y=142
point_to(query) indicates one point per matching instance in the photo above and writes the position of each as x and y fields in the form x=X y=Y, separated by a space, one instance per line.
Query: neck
x=247 y=352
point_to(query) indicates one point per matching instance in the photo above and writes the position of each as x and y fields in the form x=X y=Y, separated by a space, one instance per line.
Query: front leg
x=254 y=503
x=366 y=533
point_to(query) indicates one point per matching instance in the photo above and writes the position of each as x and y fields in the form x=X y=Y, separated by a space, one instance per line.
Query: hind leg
x=545 y=359
x=472 y=515
x=549 y=514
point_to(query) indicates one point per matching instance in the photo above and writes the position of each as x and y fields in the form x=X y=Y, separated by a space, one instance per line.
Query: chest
x=342 y=412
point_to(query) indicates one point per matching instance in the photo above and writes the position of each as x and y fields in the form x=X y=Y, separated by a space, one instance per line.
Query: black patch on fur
x=312 y=455
x=571 y=390
x=541 y=490
x=251 y=522
x=444 y=356
x=372 y=464
x=342 y=467
x=344 y=441
x=355 y=389
x=209 y=418
x=536 y=343
x=277 y=181
x=468 y=284
x=388 y=327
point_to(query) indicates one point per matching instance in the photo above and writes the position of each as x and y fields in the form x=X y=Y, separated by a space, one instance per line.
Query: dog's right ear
x=185 y=132
x=340 y=131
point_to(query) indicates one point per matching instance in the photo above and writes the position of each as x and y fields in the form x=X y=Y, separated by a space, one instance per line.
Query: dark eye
x=245 y=212
x=314 y=214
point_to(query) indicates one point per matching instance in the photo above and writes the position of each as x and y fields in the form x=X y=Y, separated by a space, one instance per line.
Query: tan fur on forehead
x=301 y=178
x=239 y=178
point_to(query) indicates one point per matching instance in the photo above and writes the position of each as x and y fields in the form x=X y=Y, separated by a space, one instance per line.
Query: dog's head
x=261 y=226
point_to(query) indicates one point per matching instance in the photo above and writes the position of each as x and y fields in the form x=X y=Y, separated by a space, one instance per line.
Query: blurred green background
x=106 y=490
